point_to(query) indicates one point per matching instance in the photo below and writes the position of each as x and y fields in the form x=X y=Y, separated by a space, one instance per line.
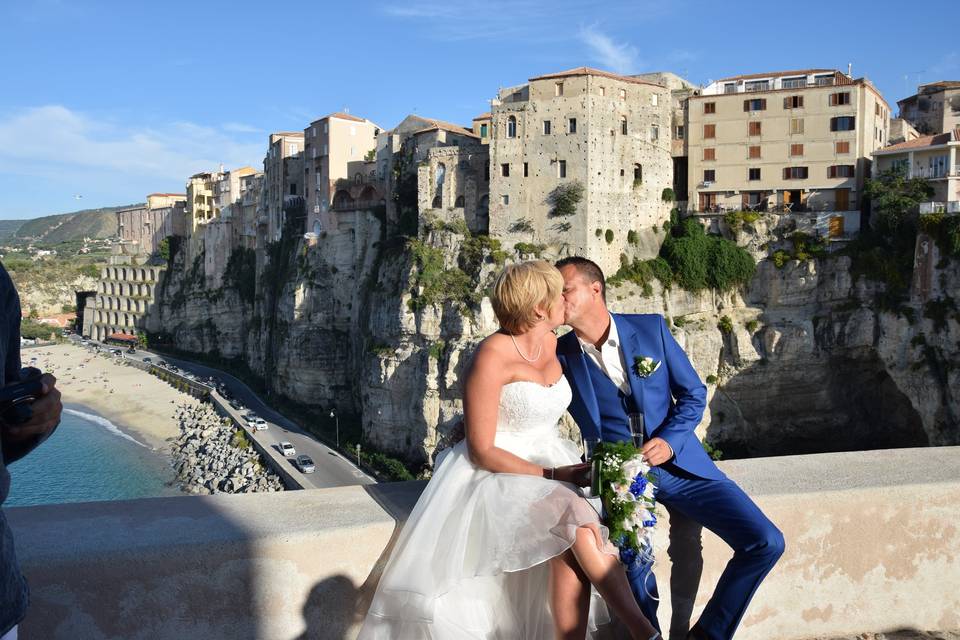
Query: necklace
x=533 y=359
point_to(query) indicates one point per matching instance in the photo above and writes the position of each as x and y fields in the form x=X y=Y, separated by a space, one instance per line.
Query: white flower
x=648 y=491
x=634 y=467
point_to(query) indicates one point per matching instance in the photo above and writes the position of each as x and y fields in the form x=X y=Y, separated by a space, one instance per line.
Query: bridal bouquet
x=623 y=482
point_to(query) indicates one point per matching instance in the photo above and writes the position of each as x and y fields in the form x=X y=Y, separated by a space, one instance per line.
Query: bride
x=501 y=545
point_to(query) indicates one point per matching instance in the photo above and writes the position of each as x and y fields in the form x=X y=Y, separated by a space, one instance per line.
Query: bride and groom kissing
x=502 y=543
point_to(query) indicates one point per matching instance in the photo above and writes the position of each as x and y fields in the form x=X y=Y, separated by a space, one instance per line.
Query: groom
x=598 y=359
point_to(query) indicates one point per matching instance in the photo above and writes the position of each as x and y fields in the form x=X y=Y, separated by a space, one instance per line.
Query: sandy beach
x=140 y=404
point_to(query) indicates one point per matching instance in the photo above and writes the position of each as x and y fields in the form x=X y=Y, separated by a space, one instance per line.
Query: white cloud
x=619 y=57
x=53 y=139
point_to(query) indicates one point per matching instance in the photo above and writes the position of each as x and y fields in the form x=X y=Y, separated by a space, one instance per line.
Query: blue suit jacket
x=672 y=398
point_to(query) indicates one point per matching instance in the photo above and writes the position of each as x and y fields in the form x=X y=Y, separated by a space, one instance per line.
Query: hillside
x=66 y=227
x=9 y=227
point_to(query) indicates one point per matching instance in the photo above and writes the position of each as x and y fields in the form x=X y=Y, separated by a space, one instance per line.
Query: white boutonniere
x=643 y=366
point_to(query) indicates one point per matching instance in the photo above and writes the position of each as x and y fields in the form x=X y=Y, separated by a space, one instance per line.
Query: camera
x=16 y=399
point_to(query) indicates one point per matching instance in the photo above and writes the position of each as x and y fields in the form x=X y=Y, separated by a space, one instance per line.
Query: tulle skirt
x=471 y=561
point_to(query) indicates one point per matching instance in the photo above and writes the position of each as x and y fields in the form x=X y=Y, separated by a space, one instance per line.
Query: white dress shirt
x=609 y=358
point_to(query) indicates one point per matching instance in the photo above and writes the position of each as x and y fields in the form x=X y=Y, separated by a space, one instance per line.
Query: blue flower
x=651 y=522
x=638 y=485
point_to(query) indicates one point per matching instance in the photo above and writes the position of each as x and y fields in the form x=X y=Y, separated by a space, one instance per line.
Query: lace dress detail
x=471 y=561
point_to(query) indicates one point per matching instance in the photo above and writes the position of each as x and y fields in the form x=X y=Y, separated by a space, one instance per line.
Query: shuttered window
x=795 y=173
x=709 y=153
x=840 y=98
x=842 y=146
x=709 y=107
x=754 y=152
x=754 y=128
x=756 y=104
x=709 y=131
x=841 y=171
x=796 y=150
x=793 y=102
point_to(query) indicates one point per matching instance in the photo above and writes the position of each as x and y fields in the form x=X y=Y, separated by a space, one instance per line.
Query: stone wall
x=871 y=543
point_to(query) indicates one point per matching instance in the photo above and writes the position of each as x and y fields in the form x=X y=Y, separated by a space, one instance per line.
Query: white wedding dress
x=471 y=561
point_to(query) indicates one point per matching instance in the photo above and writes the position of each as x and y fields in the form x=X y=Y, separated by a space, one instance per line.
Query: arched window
x=459 y=202
x=637 y=173
x=483 y=214
x=358 y=178
x=438 y=186
x=342 y=200
x=623 y=125
x=317 y=227
x=511 y=127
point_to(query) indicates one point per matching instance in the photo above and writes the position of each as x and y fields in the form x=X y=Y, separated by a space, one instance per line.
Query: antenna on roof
x=849 y=69
x=346 y=109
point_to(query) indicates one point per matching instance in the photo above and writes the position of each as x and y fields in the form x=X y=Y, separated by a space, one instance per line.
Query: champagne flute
x=636 y=429
x=589 y=445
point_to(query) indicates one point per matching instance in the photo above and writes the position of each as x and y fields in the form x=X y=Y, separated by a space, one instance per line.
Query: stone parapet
x=872 y=545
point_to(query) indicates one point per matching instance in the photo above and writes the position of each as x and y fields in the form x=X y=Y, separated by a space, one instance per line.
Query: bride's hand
x=578 y=474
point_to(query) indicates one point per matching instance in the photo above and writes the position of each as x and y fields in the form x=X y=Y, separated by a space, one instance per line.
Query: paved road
x=332 y=469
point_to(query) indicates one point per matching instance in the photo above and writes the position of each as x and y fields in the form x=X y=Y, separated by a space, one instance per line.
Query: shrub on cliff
x=700 y=261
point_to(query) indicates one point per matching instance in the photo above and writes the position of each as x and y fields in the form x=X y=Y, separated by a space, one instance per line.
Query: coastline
x=139 y=405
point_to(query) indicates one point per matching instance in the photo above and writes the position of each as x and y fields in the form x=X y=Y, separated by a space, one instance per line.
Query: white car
x=259 y=424
x=287 y=449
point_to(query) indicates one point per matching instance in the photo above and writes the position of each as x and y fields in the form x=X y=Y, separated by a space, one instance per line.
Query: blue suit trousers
x=722 y=507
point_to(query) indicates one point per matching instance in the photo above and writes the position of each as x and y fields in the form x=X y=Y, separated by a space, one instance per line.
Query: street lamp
x=333 y=414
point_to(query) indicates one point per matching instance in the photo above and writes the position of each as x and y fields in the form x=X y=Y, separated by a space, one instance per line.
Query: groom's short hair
x=588 y=269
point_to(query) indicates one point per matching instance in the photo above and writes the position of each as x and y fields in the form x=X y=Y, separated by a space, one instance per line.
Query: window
x=709 y=175
x=840 y=171
x=757 y=85
x=754 y=128
x=483 y=131
x=622 y=173
x=794 y=173
x=876 y=108
x=754 y=152
x=526 y=170
x=753 y=174
x=823 y=81
x=546 y=127
x=793 y=102
x=838 y=99
x=572 y=125
x=843 y=123
x=730 y=87
x=793 y=83
x=796 y=125
x=654 y=99
x=709 y=107
x=623 y=125
x=757 y=104
x=709 y=131
x=505 y=170
x=486 y=172
x=680 y=132
x=293 y=149
x=841 y=146
x=558 y=89
x=505 y=199
x=511 y=127
x=326 y=149
x=709 y=153
x=654 y=132
x=796 y=150
x=623 y=94
x=561 y=168
x=638 y=173
x=603 y=91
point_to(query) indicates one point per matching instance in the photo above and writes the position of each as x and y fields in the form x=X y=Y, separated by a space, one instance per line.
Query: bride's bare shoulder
x=492 y=352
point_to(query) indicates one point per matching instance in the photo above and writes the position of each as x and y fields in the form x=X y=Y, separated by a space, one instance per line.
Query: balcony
x=935 y=174
x=940 y=207
x=871 y=545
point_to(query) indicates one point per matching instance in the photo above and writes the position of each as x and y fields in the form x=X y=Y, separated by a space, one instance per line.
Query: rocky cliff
x=803 y=360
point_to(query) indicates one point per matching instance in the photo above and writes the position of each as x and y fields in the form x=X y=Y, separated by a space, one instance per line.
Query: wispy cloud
x=239 y=127
x=620 y=57
x=54 y=141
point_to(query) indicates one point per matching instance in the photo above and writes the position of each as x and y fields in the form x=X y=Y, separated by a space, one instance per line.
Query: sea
x=88 y=458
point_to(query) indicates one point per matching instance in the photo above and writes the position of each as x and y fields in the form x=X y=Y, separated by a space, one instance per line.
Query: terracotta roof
x=923 y=141
x=484 y=116
x=590 y=71
x=168 y=195
x=452 y=128
x=779 y=74
x=343 y=116
x=946 y=84
x=288 y=133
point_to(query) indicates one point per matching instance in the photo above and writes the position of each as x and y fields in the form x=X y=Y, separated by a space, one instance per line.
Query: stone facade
x=282 y=179
x=935 y=108
x=142 y=228
x=610 y=134
x=452 y=185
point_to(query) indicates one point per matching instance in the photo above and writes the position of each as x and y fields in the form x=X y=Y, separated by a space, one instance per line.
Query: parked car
x=148 y=360
x=259 y=424
x=236 y=404
x=287 y=449
x=305 y=464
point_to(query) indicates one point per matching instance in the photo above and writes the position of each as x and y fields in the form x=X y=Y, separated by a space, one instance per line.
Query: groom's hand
x=656 y=451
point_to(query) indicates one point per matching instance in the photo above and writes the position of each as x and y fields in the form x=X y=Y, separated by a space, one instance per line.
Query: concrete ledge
x=872 y=545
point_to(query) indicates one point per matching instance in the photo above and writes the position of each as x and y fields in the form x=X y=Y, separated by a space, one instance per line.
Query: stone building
x=282 y=179
x=142 y=228
x=603 y=135
x=934 y=108
x=935 y=158
x=331 y=145
x=482 y=126
x=124 y=294
x=251 y=187
x=793 y=141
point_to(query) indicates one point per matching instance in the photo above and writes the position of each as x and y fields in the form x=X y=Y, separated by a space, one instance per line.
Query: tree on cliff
x=896 y=198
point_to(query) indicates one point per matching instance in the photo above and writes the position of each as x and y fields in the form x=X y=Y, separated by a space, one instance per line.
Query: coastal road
x=332 y=469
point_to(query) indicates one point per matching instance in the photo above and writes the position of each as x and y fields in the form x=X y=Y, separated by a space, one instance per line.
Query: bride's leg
x=606 y=574
x=569 y=597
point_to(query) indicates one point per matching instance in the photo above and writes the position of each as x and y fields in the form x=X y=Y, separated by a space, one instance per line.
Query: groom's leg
x=722 y=507
x=644 y=586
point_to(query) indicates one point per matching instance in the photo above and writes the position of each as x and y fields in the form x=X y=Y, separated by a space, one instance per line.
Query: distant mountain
x=64 y=227
x=8 y=228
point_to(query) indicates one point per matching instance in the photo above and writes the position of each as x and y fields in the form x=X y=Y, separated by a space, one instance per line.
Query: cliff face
x=801 y=361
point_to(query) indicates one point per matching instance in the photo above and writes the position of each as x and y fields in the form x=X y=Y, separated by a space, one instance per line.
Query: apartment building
x=282 y=180
x=141 y=228
x=793 y=141
x=934 y=108
x=935 y=158
x=482 y=126
x=331 y=145
x=607 y=133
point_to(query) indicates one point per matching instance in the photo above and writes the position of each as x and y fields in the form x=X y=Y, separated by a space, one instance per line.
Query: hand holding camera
x=30 y=408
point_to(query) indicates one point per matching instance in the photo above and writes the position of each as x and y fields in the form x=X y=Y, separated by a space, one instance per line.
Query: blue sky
x=112 y=100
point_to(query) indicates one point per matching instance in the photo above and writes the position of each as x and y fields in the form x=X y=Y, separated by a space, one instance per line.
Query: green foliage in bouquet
x=608 y=474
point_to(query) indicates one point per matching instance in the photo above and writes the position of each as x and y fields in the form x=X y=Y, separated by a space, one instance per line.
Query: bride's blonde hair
x=520 y=288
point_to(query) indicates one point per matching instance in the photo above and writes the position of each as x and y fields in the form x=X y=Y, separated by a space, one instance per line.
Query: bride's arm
x=481 y=401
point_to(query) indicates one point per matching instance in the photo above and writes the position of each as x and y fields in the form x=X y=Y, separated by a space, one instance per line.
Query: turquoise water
x=86 y=459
